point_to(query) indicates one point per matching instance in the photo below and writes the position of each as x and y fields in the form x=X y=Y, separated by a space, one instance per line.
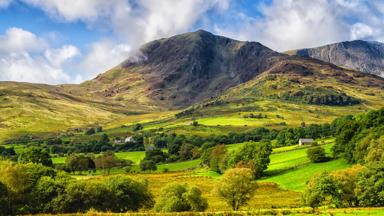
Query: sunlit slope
x=37 y=108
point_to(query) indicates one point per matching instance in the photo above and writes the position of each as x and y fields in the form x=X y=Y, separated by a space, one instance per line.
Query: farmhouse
x=305 y=141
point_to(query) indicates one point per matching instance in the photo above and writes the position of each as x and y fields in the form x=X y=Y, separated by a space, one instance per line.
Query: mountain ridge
x=364 y=56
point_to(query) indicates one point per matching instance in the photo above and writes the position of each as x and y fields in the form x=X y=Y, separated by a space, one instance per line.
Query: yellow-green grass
x=184 y=165
x=268 y=194
x=295 y=178
x=292 y=158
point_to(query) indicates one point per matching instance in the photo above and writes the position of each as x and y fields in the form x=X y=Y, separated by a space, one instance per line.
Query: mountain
x=364 y=56
x=179 y=71
x=197 y=72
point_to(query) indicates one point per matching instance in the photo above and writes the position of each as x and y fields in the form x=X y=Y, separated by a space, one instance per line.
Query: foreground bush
x=179 y=198
x=237 y=187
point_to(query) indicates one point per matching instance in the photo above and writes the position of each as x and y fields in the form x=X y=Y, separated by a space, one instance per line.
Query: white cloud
x=293 y=24
x=102 y=56
x=24 y=68
x=131 y=22
x=61 y=55
x=26 y=57
x=361 y=30
x=17 y=39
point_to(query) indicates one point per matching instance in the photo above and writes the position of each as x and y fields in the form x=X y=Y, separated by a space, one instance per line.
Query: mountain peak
x=364 y=56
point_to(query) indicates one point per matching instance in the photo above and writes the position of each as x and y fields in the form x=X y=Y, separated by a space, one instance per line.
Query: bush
x=147 y=165
x=177 y=197
x=317 y=154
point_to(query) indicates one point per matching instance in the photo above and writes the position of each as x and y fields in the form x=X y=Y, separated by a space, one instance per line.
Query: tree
x=237 y=187
x=317 y=154
x=107 y=161
x=137 y=127
x=80 y=163
x=188 y=152
x=90 y=131
x=36 y=155
x=217 y=159
x=256 y=155
x=370 y=185
x=347 y=183
x=321 y=189
x=104 y=139
x=177 y=197
x=147 y=165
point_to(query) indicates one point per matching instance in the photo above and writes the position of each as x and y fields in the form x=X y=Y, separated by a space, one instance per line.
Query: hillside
x=365 y=56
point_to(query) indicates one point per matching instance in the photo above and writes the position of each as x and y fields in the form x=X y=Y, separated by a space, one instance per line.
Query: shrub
x=317 y=154
x=147 y=165
x=177 y=197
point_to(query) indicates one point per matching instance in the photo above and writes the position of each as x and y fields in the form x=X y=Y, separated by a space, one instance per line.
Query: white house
x=129 y=139
x=305 y=141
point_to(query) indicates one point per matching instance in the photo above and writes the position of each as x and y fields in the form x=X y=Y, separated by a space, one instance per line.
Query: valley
x=188 y=116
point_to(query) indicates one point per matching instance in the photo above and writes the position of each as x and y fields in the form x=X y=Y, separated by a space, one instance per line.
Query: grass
x=179 y=165
x=295 y=178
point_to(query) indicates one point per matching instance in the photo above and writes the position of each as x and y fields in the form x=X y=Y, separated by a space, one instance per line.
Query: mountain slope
x=185 y=69
x=364 y=56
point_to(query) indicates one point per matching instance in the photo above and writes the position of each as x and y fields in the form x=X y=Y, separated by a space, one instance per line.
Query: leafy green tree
x=256 y=155
x=217 y=159
x=138 y=127
x=129 y=195
x=188 y=152
x=177 y=197
x=90 y=131
x=80 y=163
x=321 y=189
x=147 y=165
x=107 y=161
x=346 y=181
x=316 y=154
x=370 y=185
x=36 y=155
x=237 y=187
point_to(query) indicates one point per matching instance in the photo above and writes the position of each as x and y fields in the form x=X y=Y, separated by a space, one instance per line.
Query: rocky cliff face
x=364 y=56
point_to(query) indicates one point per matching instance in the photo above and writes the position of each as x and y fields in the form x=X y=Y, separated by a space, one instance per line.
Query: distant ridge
x=364 y=56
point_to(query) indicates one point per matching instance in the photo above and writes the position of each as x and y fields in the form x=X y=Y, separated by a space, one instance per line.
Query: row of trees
x=34 y=188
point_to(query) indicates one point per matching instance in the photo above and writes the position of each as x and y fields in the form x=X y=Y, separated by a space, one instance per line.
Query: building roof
x=306 y=140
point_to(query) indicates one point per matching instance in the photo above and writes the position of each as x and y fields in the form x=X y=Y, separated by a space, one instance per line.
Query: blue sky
x=57 y=41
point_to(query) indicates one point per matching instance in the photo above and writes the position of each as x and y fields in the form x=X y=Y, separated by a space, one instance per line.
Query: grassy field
x=295 y=178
